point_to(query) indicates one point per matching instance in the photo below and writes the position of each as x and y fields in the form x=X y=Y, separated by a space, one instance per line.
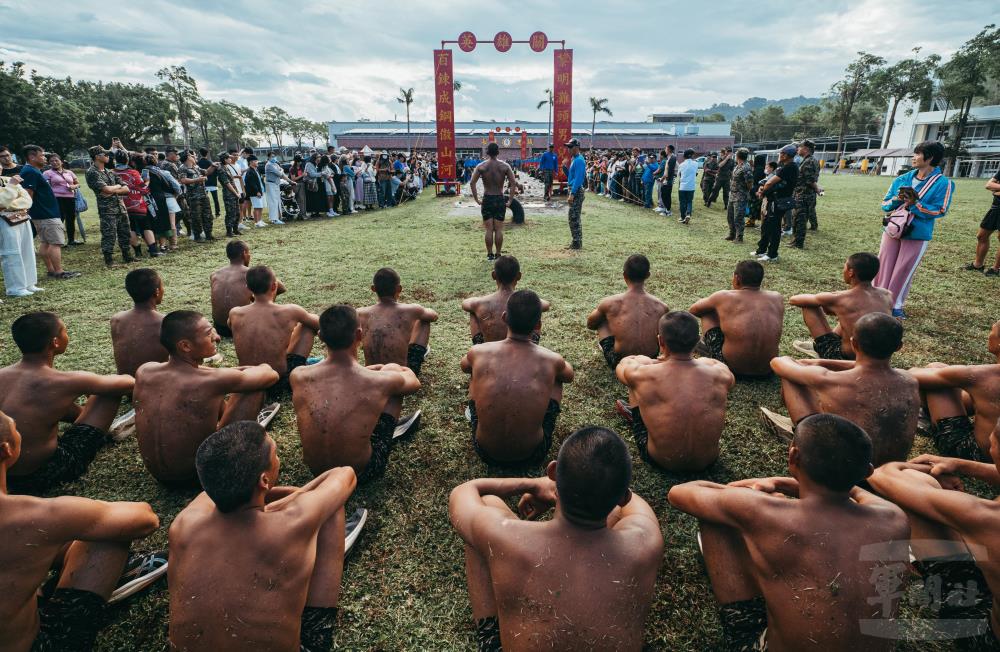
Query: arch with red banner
x=444 y=95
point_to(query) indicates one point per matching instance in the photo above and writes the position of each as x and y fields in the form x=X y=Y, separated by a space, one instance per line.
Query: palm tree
x=406 y=97
x=597 y=106
x=550 y=102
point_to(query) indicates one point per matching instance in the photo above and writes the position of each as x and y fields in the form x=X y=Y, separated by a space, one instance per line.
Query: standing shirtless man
x=789 y=558
x=626 y=323
x=485 y=323
x=952 y=392
x=348 y=415
x=255 y=566
x=742 y=326
x=229 y=286
x=868 y=391
x=668 y=433
x=38 y=397
x=846 y=305
x=583 y=580
x=179 y=403
x=494 y=174
x=395 y=332
x=516 y=389
x=85 y=541
x=955 y=539
x=265 y=332
x=135 y=333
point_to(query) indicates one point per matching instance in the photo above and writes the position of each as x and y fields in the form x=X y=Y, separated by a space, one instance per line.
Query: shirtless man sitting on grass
x=868 y=391
x=953 y=392
x=494 y=174
x=348 y=415
x=846 y=305
x=179 y=403
x=253 y=565
x=516 y=389
x=229 y=286
x=626 y=323
x=264 y=332
x=85 y=541
x=955 y=538
x=790 y=559
x=38 y=397
x=668 y=433
x=583 y=580
x=135 y=333
x=742 y=326
x=395 y=332
x=485 y=323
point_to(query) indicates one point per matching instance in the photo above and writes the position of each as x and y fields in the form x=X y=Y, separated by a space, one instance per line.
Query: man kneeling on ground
x=951 y=393
x=626 y=323
x=85 y=541
x=867 y=391
x=395 y=332
x=485 y=324
x=742 y=326
x=348 y=415
x=790 y=559
x=265 y=332
x=516 y=389
x=848 y=306
x=253 y=565
x=591 y=568
x=38 y=397
x=179 y=403
x=668 y=433
x=955 y=538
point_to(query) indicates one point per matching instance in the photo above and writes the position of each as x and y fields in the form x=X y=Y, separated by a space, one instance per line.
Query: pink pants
x=898 y=261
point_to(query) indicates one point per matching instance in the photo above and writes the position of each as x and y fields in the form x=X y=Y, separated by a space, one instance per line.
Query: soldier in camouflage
x=109 y=191
x=708 y=174
x=722 y=179
x=197 y=199
x=739 y=195
x=806 y=189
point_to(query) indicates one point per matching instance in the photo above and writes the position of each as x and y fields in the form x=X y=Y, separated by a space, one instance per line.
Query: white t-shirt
x=234 y=172
x=242 y=165
x=688 y=173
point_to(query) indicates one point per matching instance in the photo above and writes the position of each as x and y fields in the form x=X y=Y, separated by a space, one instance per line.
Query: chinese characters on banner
x=524 y=145
x=444 y=94
x=562 y=110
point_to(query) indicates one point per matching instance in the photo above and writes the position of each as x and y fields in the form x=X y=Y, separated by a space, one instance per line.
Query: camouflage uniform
x=805 y=199
x=112 y=213
x=739 y=197
x=722 y=181
x=575 y=226
x=197 y=201
x=708 y=174
x=230 y=200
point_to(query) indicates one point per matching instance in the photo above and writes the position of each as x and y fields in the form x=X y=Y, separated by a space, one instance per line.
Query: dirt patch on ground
x=421 y=294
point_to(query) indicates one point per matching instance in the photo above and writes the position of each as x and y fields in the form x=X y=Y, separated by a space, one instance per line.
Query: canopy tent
x=882 y=153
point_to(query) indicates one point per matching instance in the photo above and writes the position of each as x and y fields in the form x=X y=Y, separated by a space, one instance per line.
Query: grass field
x=404 y=586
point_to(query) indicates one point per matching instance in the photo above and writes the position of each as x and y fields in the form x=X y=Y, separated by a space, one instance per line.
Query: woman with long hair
x=64 y=185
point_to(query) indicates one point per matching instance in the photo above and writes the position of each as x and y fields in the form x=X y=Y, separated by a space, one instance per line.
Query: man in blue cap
x=778 y=190
x=576 y=178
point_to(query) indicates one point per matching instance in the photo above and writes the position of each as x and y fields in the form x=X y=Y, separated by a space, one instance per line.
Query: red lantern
x=538 y=41
x=497 y=129
x=467 y=41
x=502 y=41
x=517 y=129
x=508 y=129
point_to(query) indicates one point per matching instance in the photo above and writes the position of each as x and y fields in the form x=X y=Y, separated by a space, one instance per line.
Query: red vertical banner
x=524 y=145
x=444 y=100
x=562 y=110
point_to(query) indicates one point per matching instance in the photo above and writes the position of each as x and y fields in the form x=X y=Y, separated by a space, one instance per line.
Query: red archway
x=444 y=93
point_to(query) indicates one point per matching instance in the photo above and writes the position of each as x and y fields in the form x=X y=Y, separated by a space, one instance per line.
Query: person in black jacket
x=255 y=191
x=667 y=181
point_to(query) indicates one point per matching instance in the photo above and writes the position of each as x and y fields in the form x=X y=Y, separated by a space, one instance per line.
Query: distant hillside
x=730 y=111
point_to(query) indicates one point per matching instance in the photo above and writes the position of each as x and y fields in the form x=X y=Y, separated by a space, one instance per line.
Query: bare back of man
x=848 y=306
x=340 y=404
x=679 y=438
x=515 y=392
x=630 y=318
x=229 y=290
x=494 y=174
x=742 y=328
x=391 y=328
x=135 y=338
x=487 y=313
x=267 y=333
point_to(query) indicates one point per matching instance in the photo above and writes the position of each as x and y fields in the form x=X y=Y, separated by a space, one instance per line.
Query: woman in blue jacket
x=898 y=259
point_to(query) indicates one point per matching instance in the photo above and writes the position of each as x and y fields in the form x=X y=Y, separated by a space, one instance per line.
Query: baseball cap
x=789 y=150
x=98 y=150
x=807 y=143
x=572 y=142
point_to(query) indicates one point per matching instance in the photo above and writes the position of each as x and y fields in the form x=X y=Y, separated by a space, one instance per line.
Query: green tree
x=299 y=128
x=406 y=98
x=712 y=117
x=906 y=80
x=550 y=102
x=133 y=113
x=854 y=87
x=182 y=90
x=273 y=121
x=319 y=131
x=597 y=105
x=806 y=121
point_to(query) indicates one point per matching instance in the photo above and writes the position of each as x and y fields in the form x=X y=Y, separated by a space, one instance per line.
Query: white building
x=981 y=139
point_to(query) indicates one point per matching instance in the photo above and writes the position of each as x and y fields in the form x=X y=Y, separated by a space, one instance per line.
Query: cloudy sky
x=342 y=60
